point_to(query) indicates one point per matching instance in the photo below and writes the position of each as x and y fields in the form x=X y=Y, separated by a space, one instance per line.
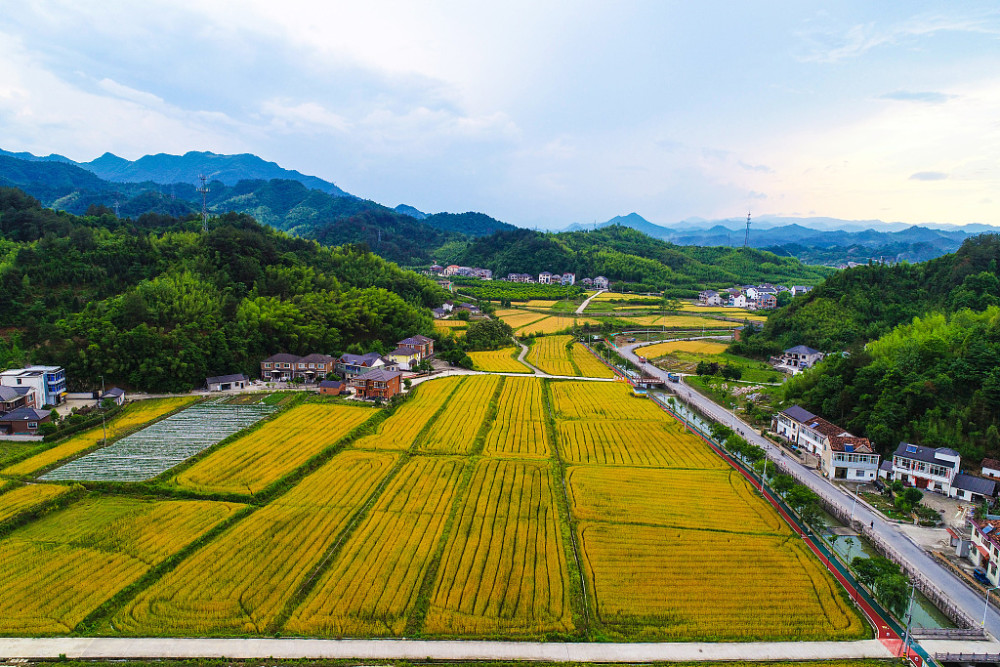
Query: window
x=32 y=425
x=312 y=365
x=267 y=364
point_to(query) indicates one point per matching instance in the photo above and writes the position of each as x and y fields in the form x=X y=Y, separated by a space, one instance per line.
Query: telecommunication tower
x=204 y=201
x=746 y=239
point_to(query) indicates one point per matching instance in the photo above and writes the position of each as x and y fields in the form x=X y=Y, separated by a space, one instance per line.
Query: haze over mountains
x=292 y=201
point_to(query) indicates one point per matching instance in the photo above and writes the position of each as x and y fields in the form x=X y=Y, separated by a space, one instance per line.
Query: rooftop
x=991 y=463
x=317 y=358
x=223 y=379
x=330 y=384
x=984 y=487
x=380 y=375
x=801 y=349
x=283 y=357
x=798 y=413
x=25 y=415
x=926 y=454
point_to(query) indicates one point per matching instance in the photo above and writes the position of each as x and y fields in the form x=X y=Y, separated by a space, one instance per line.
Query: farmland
x=258 y=459
x=561 y=355
x=690 y=346
x=134 y=415
x=241 y=581
x=553 y=324
x=503 y=360
x=479 y=506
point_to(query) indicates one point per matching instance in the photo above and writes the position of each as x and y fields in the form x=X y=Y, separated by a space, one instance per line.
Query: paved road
x=392 y=649
x=962 y=595
x=583 y=306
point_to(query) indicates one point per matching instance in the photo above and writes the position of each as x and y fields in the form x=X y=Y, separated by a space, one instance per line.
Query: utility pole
x=204 y=201
x=104 y=426
x=909 y=618
x=746 y=239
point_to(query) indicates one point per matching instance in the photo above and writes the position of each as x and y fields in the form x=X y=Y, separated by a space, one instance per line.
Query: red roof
x=983 y=552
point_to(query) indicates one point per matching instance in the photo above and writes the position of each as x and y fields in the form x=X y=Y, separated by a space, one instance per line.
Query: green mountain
x=156 y=304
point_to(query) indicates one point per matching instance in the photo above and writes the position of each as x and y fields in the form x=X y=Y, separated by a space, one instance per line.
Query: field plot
x=663 y=443
x=401 y=429
x=551 y=355
x=519 y=429
x=689 y=346
x=653 y=583
x=541 y=303
x=85 y=554
x=241 y=581
x=134 y=415
x=518 y=318
x=456 y=327
x=601 y=400
x=28 y=497
x=553 y=324
x=158 y=448
x=454 y=432
x=719 y=500
x=504 y=568
x=372 y=584
x=503 y=360
x=683 y=322
x=589 y=365
x=258 y=459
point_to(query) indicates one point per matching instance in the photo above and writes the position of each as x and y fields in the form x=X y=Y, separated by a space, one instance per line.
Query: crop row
x=601 y=400
x=454 y=431
x=658 y=442
x=401 y=429
x=519 y=428
x=498 y=361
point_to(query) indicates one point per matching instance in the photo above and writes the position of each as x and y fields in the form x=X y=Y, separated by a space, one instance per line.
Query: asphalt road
x=970 y=601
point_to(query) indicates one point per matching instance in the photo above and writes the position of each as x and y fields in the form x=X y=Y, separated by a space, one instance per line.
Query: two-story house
x=569 y=279
x=600 y=282
x=986 y=555
x=544 y=278
x=353 y=365
x=377 y=383
x=47 y=382
x=422 y=345
x=12 y=398
x=278 y=367
x=800 y=357
x=315 y=366
x=24 y=421
x=767 y=302
x=709 y=298
x=925 y=467
x=843 y=455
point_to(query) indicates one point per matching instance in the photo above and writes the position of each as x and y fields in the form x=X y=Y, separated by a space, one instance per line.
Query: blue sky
x=540 y=114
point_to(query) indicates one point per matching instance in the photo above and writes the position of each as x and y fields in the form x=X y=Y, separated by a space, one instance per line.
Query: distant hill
x=406 y=209
x=166 y=169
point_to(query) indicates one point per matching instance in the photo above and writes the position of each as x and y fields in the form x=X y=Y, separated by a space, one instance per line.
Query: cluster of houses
x=24 y=392
x=449 y=308
x=751 y=297
x=371 y=375
x=850 y=458
x=465 y=271
x=546 y=278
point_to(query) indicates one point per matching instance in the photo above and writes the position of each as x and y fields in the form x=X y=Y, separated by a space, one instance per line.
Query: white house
x=800 y=357
x=799 y=289
x=544 y=278
x=738 y=301
x=925 y=467
x=710 y=298
x=227 y=382
x=48 y=382
x=991 y=468
x=844 y=456
x=569 y=279
x=600 y=282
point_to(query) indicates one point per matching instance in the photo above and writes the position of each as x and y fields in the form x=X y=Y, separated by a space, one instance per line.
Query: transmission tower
x=746 y=239
x=117 y=204
x=204 y=201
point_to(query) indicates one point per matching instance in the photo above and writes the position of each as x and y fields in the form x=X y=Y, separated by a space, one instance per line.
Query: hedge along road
x=964 y=597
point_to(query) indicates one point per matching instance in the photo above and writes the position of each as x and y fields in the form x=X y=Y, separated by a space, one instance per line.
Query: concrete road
x=583 y=306
x=967 y=599
x=394 y=649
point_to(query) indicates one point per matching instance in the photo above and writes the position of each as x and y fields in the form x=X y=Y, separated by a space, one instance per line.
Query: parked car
x=980 y=576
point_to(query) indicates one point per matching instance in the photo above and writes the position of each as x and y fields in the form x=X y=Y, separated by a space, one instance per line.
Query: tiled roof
x=222 y=379
x=9 y=393
x=840 y=443
x=330 y=384
x=821 y=425
x=798 y=413
x=985 y=487
x=366 y=359
x=114 y=392
x=991 y=463
x=317 y=358
x=283 y=357
x=379 y=375
x=801 y=349
x=403 y=351
x=25 y=415
x=925 y=454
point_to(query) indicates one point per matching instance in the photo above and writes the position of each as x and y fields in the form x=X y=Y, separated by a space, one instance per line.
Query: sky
x=541 y=114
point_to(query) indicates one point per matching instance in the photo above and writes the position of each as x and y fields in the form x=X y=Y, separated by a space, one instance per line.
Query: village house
x=436 y=268
x=800 y=289
x=799 y=358
x=986 y=540
x=227 y=382
x=925 y=467
x=544 y=278
x=47 y=382
x=314 y=367
x=844 y=456
x=737 y=300
x=709 y=298
x=767 y=301
x=569 y=279
x=24 y=421
x=587 y=282
x=990 y=468
x=12 y=398
x=331 y=387
x=600 y=282
x=519 y=277
x=114 y=394
x=278 y=367
x=404 y=357
x=352 y=365
x=422 y=345
x=471 y=309
x=377 y=383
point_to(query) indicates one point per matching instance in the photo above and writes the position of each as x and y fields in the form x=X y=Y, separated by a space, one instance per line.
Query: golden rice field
x=589 y=365
x=60 y=568
x=541 y=303
x=518 y=318
x=683 y=322
x=520 y=428
x=504 y=566
x=503 y=360
x=455 y=327
x=656 y=443
x=133 y=416
x=553 y=324
x=690 y=346
x=371 y=587
x=550 y=354
x=579 y=399
x=454 y=431
x=28 y=497
x=400 y=430
x=241 y=582
x=720 y=500
x=659 y=583
x=255 y=461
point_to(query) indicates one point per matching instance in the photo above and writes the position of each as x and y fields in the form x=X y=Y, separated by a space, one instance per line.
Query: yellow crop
x=241 y=581
x=540 y=303
x=401 y=429
x=504 y=567
x=553 y=324
x=691 y=346
x=549 y=354
x=27 y=498
x=589 y=365
x=499 y=361
x=601 y=400
x=518 y=318
x=704 y=499
x=519 y=429
x=655 y=583
x=62 y=567
x=683 y=322
x=133 y=416
x=253 y=462
x=371 y=586
x=634 y=443
x=454 y=431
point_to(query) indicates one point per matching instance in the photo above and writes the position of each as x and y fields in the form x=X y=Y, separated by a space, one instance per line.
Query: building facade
x=377 y=383
x=925 y=467
x=48 y=382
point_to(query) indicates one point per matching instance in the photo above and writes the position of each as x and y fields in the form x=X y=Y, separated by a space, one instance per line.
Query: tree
x=892 y=591
x=463 y=315
x=782 y=483
x=488 y=335
x=720 y=432
x=867 y=570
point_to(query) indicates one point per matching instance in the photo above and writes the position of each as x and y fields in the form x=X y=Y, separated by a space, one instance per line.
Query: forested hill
x=628 y=256
x=922 y=350
x=156 y=304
